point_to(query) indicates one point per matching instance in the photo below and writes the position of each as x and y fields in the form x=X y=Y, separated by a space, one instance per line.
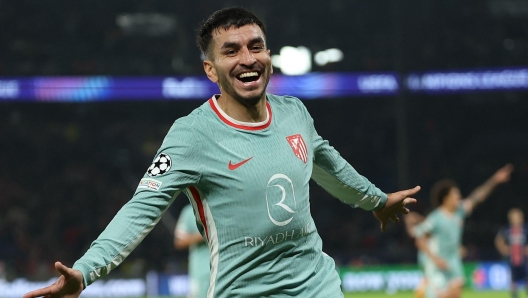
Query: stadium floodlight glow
x=328 y=56
x=146 y=24
x=276 y=61
x=293 y=61
x=321 y=58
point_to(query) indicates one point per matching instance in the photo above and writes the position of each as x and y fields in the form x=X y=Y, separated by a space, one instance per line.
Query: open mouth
x=247 y=77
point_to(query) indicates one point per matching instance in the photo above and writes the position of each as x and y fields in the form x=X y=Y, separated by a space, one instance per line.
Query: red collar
x=241 y=125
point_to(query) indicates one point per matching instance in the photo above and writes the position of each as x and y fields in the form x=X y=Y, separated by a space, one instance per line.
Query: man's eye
x=230 y=52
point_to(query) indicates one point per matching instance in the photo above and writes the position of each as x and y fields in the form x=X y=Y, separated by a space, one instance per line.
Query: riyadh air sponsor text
x=277 y=238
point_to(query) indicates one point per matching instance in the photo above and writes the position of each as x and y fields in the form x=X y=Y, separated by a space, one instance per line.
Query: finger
x=509 y=167
x=383 y=224
x=47 y=291
x=63 y=270
x=409 y=201
x=410 y=191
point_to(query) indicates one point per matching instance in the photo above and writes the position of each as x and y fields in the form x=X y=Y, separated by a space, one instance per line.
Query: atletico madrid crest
x=298 y=146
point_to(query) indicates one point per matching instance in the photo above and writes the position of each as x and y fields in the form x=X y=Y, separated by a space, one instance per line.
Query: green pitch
x=467 y=294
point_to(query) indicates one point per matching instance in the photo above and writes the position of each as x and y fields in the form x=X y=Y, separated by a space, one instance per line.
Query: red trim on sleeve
x=198 y=200
x=240 y=126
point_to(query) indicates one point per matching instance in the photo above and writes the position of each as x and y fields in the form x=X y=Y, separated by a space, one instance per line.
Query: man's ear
x=210 y=71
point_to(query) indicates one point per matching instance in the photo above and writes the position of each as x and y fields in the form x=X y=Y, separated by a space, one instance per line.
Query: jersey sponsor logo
x=148 y=183
x=298 y=146
x=280 y=213
x=277 y=238
x=235 y=166
x=161 y=165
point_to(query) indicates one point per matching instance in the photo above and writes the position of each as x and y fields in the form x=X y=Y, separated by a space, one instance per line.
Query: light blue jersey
x=445 y=238
x=249 y=187
x=198 y=254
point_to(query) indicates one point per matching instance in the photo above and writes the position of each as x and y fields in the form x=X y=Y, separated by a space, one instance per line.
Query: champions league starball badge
x=160 y=165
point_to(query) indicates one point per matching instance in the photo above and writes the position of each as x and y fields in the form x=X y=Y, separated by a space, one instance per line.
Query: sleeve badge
x=161 y=165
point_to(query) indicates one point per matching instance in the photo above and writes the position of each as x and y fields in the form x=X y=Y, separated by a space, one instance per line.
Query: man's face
x=452 y=200
x=240 y=63
x=516 y=217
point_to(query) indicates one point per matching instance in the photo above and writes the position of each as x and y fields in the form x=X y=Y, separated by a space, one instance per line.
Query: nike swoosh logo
x=233 y=167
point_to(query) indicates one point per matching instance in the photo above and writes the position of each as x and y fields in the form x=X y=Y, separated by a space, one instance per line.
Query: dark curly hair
x=440 y=190
x=225 y=18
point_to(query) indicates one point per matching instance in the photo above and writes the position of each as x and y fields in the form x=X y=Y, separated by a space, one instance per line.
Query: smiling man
x=244 y=159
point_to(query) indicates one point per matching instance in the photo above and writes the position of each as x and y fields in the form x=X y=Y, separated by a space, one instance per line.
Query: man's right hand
x=69 y=285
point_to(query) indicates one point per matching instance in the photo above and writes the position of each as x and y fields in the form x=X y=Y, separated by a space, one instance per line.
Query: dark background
x=66 y=168
x=59 y=37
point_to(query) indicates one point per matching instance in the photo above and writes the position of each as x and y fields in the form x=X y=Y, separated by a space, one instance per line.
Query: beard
x=226 y=86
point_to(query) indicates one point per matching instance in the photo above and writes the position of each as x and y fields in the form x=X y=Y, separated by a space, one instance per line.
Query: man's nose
x=247 y=57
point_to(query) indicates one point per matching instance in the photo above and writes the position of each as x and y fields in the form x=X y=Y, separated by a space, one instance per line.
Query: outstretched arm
x=68 y=285
x=395 y=204
x=341 y=180
x=481 y=193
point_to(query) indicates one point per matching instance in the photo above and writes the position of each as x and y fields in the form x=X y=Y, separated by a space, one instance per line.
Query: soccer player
x=511 y=242
x=244 y=159
x=187 y=236
x=440 y=235
x=411 y=220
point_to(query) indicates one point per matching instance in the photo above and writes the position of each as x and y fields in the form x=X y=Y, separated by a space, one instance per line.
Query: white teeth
x=249 y=74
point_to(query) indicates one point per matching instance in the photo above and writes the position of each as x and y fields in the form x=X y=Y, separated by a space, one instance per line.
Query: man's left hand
x=395 y=204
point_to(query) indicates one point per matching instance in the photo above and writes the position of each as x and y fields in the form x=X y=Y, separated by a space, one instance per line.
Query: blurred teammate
x=244 y=158
x=187 y=236
x=412 y=219
x=511 y=242
x=440 y=235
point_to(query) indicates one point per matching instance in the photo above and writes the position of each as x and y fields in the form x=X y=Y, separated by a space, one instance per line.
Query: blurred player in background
x=511 y=242
x=244 y=159
x=412 y=219
x=440 y=235
x=187 y=236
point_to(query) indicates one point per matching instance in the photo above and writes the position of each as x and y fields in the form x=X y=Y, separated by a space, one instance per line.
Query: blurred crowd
x=156 y=37
x=65 y=170
x=61 y=182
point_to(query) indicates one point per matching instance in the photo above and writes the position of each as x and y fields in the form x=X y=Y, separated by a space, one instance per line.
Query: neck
x=251 y=113
x=447 y=209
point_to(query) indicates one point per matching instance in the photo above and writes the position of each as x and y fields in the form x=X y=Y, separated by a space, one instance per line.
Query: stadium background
x=66 y=167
